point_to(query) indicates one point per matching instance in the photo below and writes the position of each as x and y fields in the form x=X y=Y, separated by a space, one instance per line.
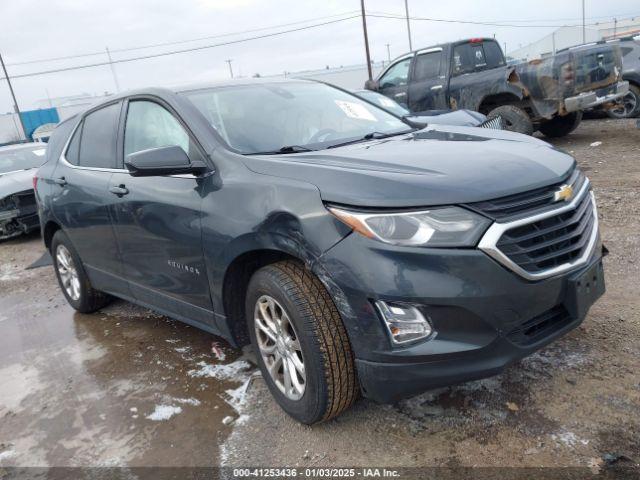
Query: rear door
x=80 y=198
x=394 y=82
x=157 y=219
x=473 y=72
x=427 y=88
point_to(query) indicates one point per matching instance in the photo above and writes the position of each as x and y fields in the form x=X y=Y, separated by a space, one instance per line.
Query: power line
x=178 y=42
x=471 y=22
x=175 y=52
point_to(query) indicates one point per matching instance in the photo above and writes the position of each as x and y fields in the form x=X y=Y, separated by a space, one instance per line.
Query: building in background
x=565 y=37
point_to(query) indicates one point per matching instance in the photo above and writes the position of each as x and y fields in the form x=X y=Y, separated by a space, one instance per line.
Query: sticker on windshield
x=355 y=110
x=387 y=102
x=39 y=152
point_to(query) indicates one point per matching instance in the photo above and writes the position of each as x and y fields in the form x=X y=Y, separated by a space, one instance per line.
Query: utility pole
x=13 y=96
x=615 y=28
x=553 y=42
x=113 y=70
x=388 y=52
x=366 y=40
x=584 y=33
x=406 y=9
x=230 y=69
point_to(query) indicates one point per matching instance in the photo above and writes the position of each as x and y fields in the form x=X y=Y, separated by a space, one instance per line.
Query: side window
x=493 y=55
x=149 y=125
x=468 y=57
x=427 y=65
x=73 y=150
x=397 y=75
x=98 y=142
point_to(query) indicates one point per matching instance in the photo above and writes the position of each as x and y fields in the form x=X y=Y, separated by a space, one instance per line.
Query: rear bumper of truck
x=588 y=100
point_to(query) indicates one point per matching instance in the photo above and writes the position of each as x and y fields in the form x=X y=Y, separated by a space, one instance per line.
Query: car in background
x=461 y=118
x=547 y=94
x=18 y=209
x=629 y=105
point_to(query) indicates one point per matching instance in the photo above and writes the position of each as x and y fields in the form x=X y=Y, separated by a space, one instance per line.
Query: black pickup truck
x=547 y=94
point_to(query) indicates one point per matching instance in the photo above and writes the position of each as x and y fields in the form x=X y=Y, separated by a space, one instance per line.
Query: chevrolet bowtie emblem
x=564 y=193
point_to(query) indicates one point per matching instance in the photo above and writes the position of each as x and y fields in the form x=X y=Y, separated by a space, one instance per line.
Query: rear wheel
x=560 y=126
x=301 y=343
x=514 y=119
x=628 y=106
x=72 y=278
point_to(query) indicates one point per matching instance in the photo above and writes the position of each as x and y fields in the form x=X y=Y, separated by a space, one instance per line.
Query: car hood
x=434 y=166
x=14 y=182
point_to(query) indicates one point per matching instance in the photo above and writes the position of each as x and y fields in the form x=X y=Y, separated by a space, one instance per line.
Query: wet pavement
x=128 y=387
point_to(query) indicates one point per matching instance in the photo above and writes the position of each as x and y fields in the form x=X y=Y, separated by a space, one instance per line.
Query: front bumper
x=478 y=308
x=588 y=100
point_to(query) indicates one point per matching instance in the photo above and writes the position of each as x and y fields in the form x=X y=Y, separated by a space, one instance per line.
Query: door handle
x=61 y=181
x=120 y=190
x=436 y=87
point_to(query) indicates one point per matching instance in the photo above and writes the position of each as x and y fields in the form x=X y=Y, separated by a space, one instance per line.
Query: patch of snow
x=187 y=401
x=7 y=454
x=133 y=409
x=164 y=412
x=182 y=349
x=595 y=144
x=230 y=371
x=237 y=397
x=172 y=340
x=227 y=420
x=569 y=439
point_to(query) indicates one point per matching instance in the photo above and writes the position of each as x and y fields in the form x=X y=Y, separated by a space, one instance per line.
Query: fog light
x=404 y=322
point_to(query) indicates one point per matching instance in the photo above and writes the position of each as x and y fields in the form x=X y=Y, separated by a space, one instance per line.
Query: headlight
x=438 y=227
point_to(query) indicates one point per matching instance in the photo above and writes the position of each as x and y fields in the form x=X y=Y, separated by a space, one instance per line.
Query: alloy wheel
x=625 y=107
x=280 y=348
x=68 y=272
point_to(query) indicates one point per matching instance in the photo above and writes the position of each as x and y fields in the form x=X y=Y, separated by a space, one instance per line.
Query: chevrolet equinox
x=357 y=254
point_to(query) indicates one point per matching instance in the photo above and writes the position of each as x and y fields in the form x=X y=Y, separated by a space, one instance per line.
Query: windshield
x=267 y=117
x=21 y=158
x=383 y=102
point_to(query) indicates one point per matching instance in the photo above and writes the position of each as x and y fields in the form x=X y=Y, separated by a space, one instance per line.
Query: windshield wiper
x=286 y=149
x=372 y=136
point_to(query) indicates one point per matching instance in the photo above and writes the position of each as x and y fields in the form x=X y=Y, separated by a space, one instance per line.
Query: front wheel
x=301 y=343
x=560 y=126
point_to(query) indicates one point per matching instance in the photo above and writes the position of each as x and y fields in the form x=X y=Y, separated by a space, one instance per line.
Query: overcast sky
x=33 y=30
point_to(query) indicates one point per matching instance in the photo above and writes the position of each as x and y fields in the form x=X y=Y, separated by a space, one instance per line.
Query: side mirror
x=371 y=85
x=160 y=161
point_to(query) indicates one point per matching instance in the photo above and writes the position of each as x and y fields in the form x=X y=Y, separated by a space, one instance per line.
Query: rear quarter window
x=59 y=138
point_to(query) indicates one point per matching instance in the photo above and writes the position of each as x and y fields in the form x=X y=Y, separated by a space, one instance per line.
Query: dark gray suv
x=357 y=254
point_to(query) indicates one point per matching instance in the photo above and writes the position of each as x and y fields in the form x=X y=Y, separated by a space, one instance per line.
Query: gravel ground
x=128 y=387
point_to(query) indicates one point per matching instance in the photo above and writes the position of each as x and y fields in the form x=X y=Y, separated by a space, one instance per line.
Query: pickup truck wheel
x=72 y=278
x=301 y=343
x=514 y=119
x=629 y=105
x=560 y=126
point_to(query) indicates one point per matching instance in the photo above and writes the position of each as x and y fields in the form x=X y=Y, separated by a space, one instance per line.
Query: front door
x=157 y=220
x=81 y=201
x=428 y=88
x=394 y=81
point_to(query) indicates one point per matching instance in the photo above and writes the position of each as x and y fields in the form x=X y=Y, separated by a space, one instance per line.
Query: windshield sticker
x=39 y=153
x=355 y=110
x=387 y=102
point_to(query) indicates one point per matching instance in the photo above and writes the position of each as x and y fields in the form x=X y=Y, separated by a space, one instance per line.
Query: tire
x=560 y=126
x=286 y=290
x=630 y=107
x=514 y=119
x=88 y=299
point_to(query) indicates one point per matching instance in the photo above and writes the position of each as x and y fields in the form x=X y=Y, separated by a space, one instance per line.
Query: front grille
x=540 y=327
x=530 y=202
x=552 y=241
